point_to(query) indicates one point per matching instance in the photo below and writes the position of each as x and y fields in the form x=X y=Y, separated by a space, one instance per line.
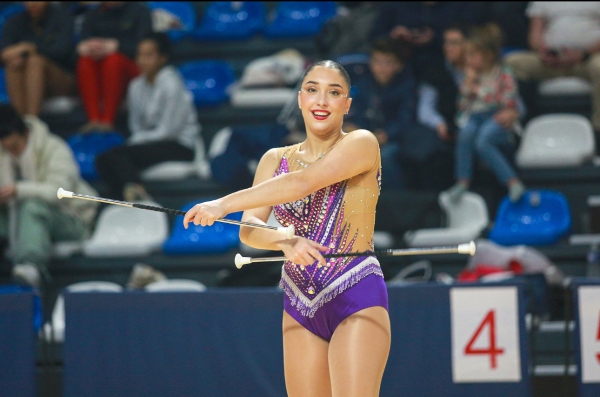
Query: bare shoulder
x=363 y=139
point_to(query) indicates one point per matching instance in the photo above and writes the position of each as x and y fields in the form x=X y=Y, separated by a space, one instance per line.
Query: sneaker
x=27 y=274
x=456 y=191
x=515 y=191
x=142 y=275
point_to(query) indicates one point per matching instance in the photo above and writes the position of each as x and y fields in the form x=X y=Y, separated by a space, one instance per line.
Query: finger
x=319 y=246
x=210 y=221
x=307 y=258
x=189 y=216
x=317 y=255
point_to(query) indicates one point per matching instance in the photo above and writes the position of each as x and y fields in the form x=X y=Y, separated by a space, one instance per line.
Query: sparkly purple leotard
x=340 y=216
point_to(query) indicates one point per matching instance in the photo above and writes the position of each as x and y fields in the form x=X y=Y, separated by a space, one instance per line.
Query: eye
x=311 y=90
x=334 y=93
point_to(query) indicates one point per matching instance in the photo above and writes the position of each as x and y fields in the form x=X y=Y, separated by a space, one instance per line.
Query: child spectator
x=385 y=104
x=37 y=49
x=33 y=164
x=162 y=121
x=487 y=113
x=109 y=38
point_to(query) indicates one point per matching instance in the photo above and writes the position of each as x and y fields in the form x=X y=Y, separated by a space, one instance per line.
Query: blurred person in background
x=564 y=38
x=162 y=120
x=384 y=103
x=421 y=24
x=34 y=163
x=487 y=113
x=110 y=35
x=37 y=50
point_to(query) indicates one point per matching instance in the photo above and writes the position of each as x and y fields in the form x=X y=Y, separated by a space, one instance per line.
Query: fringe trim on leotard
x=308 y=307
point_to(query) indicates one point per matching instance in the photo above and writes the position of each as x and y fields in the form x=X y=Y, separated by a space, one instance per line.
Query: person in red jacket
x=109 y=38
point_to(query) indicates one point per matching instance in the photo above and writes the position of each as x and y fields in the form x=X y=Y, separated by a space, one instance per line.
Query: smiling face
x=324 y=100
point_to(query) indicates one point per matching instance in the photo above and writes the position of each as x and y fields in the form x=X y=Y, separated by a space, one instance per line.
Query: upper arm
x=265 y=170
x=354 y=155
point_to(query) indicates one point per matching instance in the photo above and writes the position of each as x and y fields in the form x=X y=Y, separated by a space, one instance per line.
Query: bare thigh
x=59 y=82
x=358 y=352
x=305 y=361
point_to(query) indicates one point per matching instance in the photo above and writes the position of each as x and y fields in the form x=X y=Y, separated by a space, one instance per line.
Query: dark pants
x=124 y=164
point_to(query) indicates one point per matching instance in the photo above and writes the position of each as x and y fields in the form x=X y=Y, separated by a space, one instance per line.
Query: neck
x=317 y=145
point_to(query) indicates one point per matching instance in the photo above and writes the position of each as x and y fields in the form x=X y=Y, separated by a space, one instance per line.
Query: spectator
x=565 y=41
x=421 y=24
x=37 y=49
x=438 y=92
x=385 y=104
x=109 y=38
x=34 y=163
x=488 y=112
x=162 y=121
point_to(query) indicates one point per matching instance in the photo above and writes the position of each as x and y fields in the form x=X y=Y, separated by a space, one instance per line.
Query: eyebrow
x=332 y=85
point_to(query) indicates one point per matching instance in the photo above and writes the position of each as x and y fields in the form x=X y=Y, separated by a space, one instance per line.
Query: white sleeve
x=537 y=9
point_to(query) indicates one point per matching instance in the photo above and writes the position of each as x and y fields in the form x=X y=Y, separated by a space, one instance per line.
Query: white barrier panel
x=485 y=335
x=589 y=333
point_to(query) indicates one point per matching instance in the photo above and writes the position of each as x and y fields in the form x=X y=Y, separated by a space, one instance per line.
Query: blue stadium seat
x=3 y=93
x=208 y=81
x=8 y=12
x=225 y=20
x=86 y=147
x=538 y=218
x=218 y=238
x=300 y=18
x=182 y=10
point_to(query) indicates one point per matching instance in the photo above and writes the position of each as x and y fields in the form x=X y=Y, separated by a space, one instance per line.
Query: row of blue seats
x=234 y=20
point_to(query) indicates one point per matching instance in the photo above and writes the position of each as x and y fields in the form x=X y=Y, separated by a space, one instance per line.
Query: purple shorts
x=368 y=292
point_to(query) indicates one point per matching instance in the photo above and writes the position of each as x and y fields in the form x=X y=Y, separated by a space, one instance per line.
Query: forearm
x=260 y=238
x=536 y=33
x=282 y=189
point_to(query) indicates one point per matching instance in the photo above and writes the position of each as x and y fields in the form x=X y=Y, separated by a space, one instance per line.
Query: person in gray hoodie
x=34 y=163
x=162 y=120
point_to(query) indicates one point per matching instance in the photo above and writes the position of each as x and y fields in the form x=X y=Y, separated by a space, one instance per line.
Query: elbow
x=245 y=234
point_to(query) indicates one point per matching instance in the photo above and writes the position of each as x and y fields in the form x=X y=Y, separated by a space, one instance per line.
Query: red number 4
x=491 y=350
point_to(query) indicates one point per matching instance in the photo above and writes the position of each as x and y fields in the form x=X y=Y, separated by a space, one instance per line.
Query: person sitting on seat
x=110 y=35
x=162 y=120
x=34 y=163
x=37 y=50
x=384 y=103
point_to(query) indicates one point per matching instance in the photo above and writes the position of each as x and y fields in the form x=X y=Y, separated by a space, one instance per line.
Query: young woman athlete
x=336 y=328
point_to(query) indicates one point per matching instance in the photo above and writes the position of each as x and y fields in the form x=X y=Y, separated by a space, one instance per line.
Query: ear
x=299 y=101
x=348 y=104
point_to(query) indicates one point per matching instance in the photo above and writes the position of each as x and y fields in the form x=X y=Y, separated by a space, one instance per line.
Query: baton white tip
x=241 y=260
x=62 y=193
x=468 y=248
x=289 y=231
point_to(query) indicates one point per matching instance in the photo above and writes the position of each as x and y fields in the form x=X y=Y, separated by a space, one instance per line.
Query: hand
x=471 y=80
x=110 y=46
x=7 y=192
x=506 y=117
x=204 y=214
x=382 y=136
x=401 y=32
x=569 y=57
x=442 y=131
x=549 y=57
x=302 y=251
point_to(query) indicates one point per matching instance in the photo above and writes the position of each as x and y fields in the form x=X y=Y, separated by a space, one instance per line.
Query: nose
x=322 y=99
